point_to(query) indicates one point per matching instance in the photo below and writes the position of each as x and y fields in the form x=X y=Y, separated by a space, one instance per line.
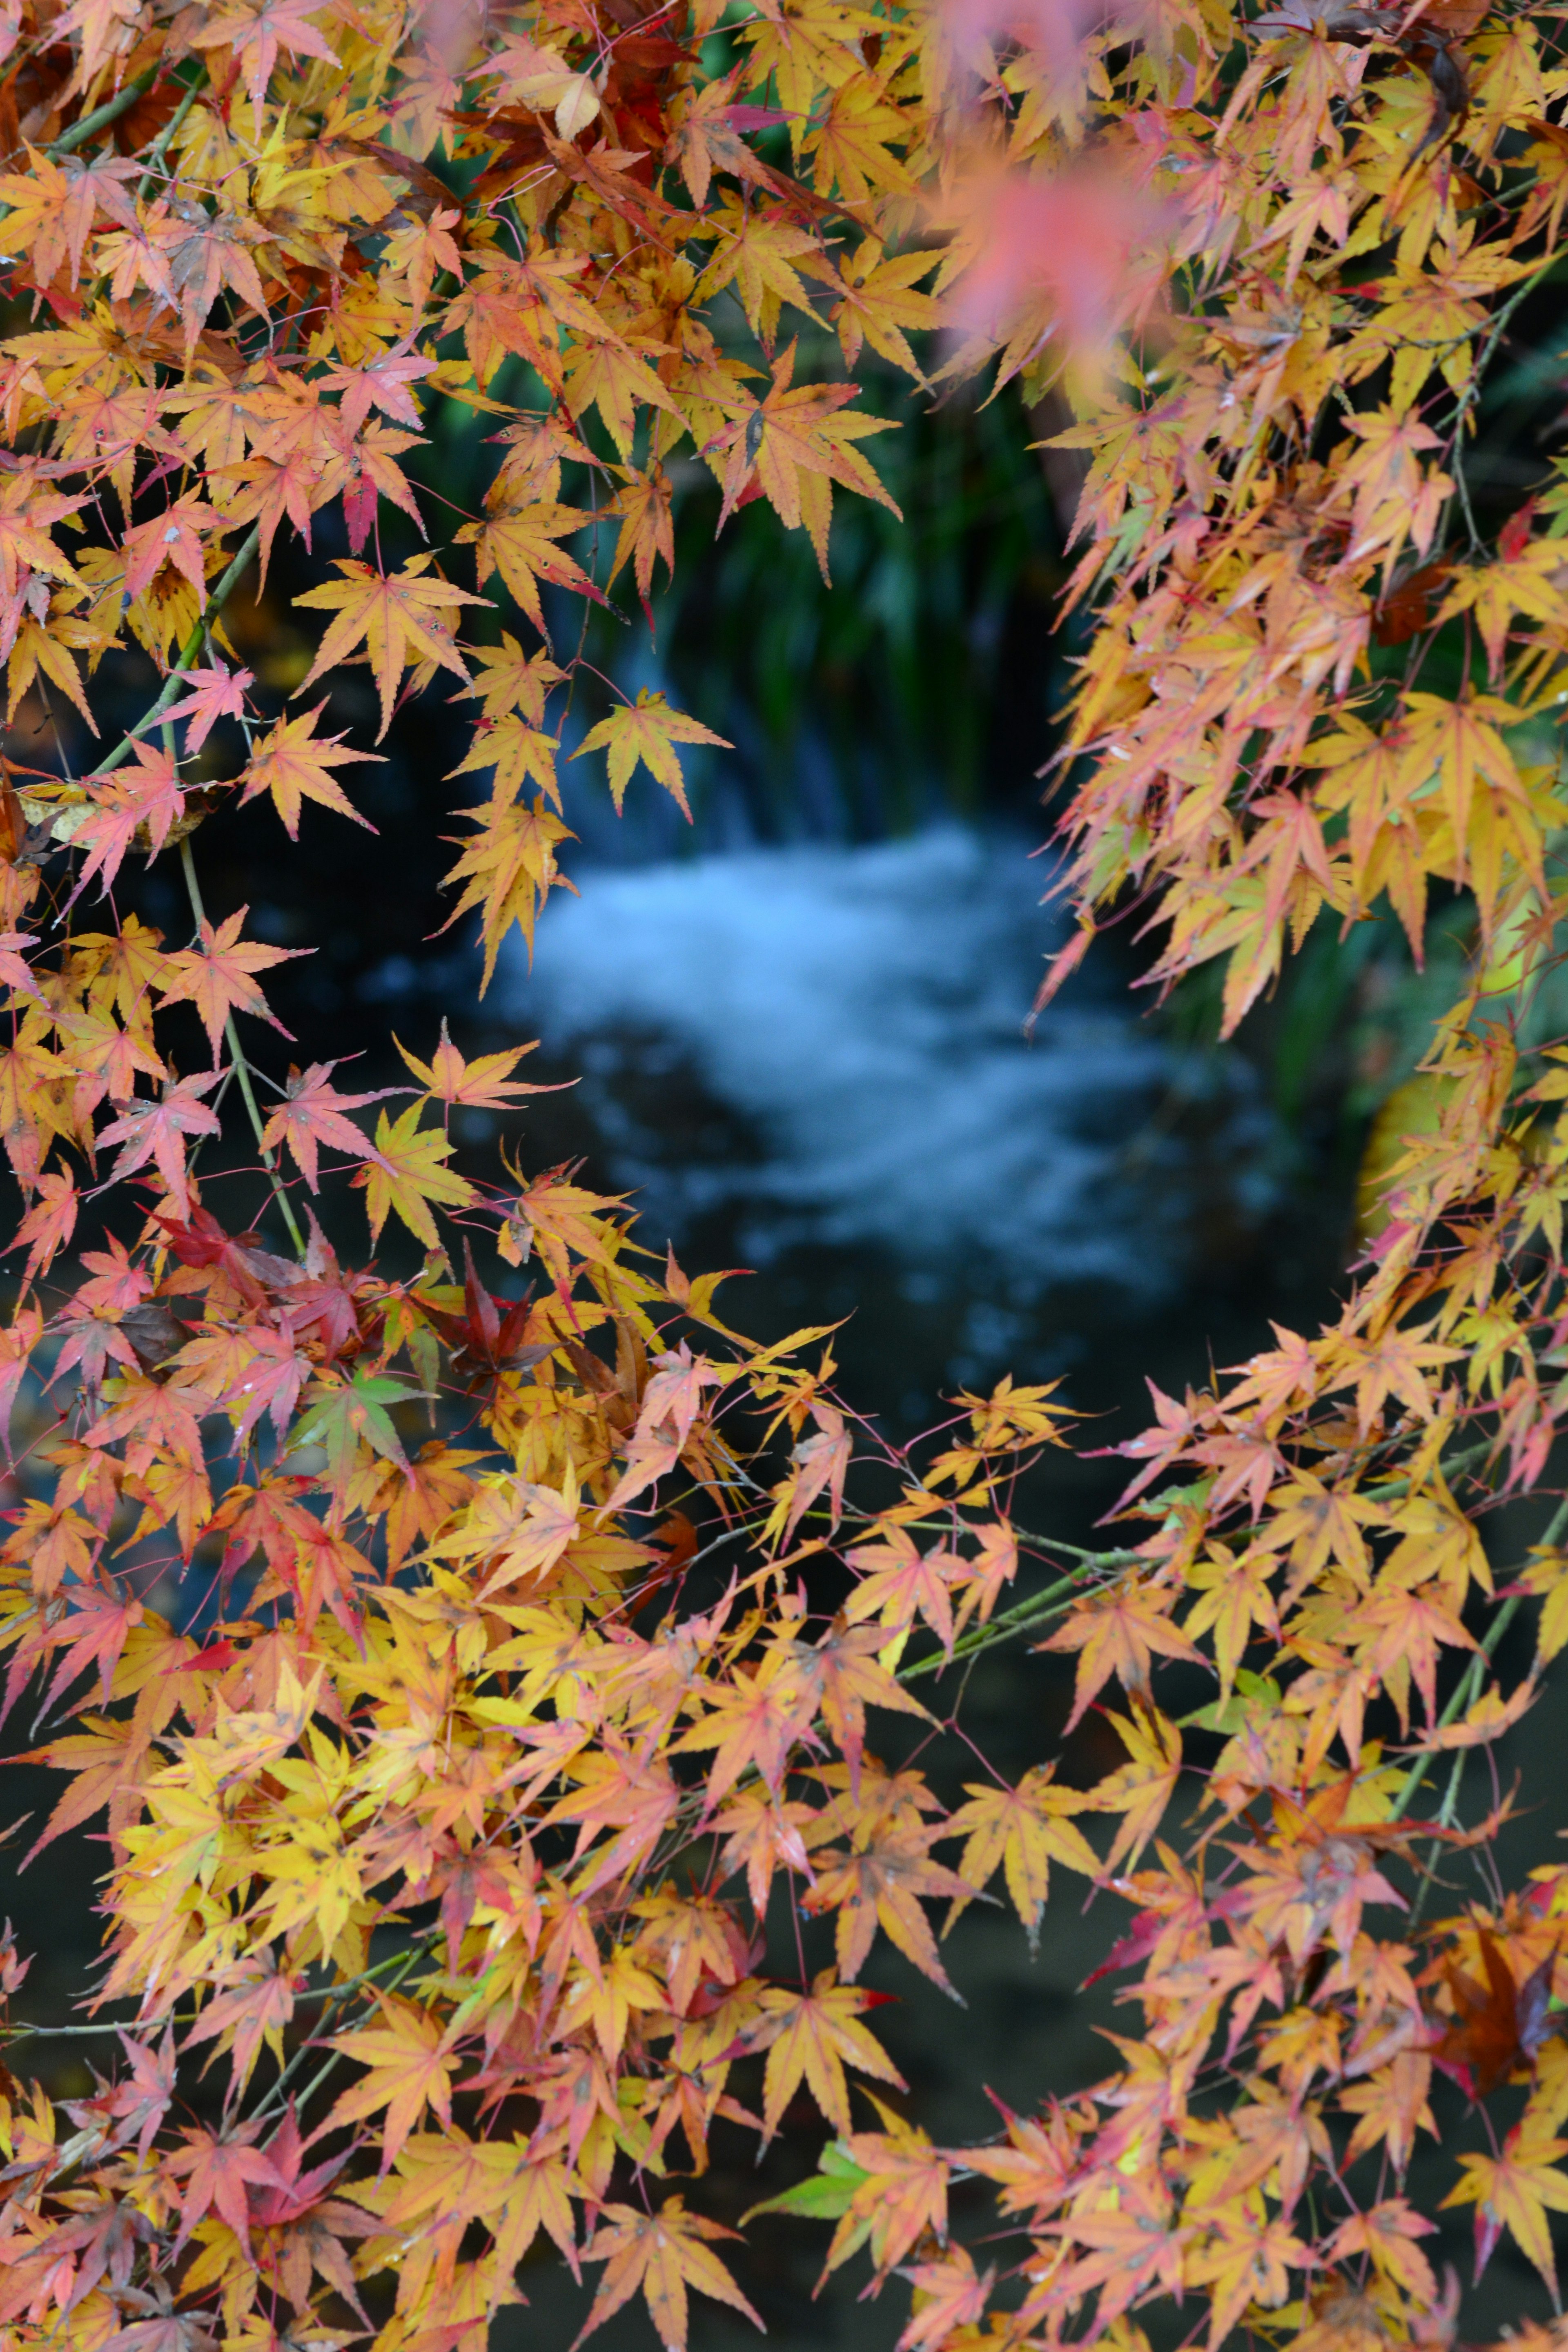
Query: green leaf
x=825 y=2196
x=1252 y=1691
x=349 y=1410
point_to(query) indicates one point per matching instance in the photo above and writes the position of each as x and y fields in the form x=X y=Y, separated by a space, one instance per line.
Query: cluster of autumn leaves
x=451 y=1824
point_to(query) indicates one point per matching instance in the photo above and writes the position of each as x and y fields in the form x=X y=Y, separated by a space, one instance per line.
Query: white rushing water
x=856 y=1018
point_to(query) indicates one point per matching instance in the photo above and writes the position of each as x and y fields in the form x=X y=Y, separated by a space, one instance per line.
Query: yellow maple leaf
x=648 y=729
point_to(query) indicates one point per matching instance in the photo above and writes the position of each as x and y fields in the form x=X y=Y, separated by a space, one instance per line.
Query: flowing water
x=816 y=1062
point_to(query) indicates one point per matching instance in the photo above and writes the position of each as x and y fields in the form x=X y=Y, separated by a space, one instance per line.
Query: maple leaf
x=1408 y=1629
x=94 y=1633
x=518 y=539
x=381 y=382
x=515 y=752
x=753 y=1723
x=1118 y=1632
x=522 y=306
x=757 y=253
x=1391 y=2105
x=218 y=976
x=486 y=1342
x=878 y=301
x=157 y=1132
x=485 y=1084
x=132 y=2109
x=950 y=2295
x=662 y=2253
x=645 y=507
x=293 y=763
x=707 y=138
x=397 y=615
x=149 y=796
x=1024 y=1829
x=1243 y=2264
x=256 y=33
x=15 y=970
x=1513 y=2191
x=312 y=1112
x=343 y=1414
x=267 y=1377
x=511 y=680
x=613 y=378
x=218 y=693
x=104 y=2242
x=403 y=1171
x=1235 y=1601
x=1492 y=2030
x=507 y=872
x=901 y=2199
x=51 y=207
x=219 y=2168
x=814 y=2035
x=795 y=445
x=27 y=511
x=408 y=2070
x=518 y=1529
x=173 y=537
x=1141 y=1790
x=821 y=1467
x=48 y=1225
x=647 y=730
x=1387 y=2232
x=881 y=1885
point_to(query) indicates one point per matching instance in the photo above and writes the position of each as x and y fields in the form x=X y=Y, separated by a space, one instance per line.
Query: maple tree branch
x=18 y=2030
x=1052 y=1603
x=170 y=132
x=110 y=111
x=242 y=1072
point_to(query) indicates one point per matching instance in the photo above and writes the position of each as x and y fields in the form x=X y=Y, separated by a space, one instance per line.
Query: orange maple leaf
x=881 y=1885
x=795 y=445
x=404 y=1172
x=1118 y=1632
x=662 y=2253
x=648 y=729
x=816 y=2034
x=256 y=33
x=485 y=1084
x=157 y=1132
x=219 y=976
x=294 y=764
x=312 y=1113
x=409 y=2070
x=398 y=616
